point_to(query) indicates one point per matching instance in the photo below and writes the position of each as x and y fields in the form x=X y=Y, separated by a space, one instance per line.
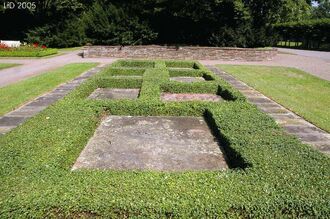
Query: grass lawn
x=5 y=65
x=16 y=94
x=304 y=94
x=272 y=174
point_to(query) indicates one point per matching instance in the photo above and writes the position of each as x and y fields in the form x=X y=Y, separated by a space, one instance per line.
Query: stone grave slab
x=114 y=93
x=152 y=143
x=190 y=97
x=187 y=79
x=127 y=76
x=181 y=68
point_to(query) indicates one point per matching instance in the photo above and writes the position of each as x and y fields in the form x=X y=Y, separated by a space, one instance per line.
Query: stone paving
x=187 y=79
x=152 y=143
x=15 y=118
x=115 y=93
x=190 y=97
x=291 y=122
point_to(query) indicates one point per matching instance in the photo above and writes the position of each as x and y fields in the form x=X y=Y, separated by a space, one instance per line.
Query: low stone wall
x=166 y=52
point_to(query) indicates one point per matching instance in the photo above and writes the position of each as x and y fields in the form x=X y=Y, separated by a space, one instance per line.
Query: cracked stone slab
x=152 y=143
x=187 y=79
x=190 y=97
x=114 y=93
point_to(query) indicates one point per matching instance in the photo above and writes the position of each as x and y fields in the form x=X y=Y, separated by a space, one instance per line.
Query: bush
x=27 y=52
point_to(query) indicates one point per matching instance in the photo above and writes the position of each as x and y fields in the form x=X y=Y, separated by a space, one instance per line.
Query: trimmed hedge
x=180 y=64
x=312 y=33
x=272 y=173
x=134 y=63
x=28 y=53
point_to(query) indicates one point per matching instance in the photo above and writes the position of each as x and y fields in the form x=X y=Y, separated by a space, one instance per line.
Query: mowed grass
x=7 y=65
x=306 y=95
x=13 y=96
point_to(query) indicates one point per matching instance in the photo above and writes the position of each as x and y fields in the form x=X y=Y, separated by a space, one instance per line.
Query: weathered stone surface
x=279 y=110
x=152 y=143
x=190 y=97
x=114 y=93
x=187 y=79
x=127 y=76
x=11 y=121
x=26 y=111
x=259 y=100
x=167 y=52
x=5 y=129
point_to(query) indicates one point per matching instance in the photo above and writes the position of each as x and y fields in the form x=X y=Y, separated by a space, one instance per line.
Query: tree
x=322 y=10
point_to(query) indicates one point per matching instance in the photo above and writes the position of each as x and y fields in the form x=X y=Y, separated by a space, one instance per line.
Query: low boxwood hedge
x=272 y=174
x=28 y=53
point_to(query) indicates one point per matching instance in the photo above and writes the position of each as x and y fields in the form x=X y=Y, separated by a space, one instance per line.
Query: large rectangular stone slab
x=168 y=97
x=152 y=143
x=114 y=93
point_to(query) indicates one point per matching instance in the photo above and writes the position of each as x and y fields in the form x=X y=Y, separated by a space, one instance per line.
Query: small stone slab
x=187 y=79
x=127 y=76
x=11 y=121
x=111 y=93
x=152 y=143
x=190 y=97
x=179 y=68
x=26 y=111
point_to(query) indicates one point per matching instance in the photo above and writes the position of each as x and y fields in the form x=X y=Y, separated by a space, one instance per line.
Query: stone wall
x=166 y=52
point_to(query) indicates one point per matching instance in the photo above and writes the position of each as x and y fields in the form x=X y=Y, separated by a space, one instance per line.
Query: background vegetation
x=242 y=23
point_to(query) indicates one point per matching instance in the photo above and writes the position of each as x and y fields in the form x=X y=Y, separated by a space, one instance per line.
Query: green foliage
x=108 y=24
x=312 y=33
x=185 y=72
x=27 y=52
x=322 y=10
x=241 y=23
x=275 y=176
x=135 y=64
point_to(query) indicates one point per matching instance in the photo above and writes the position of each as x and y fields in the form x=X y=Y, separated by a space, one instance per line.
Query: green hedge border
x=276 y=175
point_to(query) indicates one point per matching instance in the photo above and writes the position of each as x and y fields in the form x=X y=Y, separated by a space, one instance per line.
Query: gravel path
x=308 y=53
x=307 y=61
x=32 y=67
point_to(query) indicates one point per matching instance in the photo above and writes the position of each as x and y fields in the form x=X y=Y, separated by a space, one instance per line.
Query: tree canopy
x=64 y=23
